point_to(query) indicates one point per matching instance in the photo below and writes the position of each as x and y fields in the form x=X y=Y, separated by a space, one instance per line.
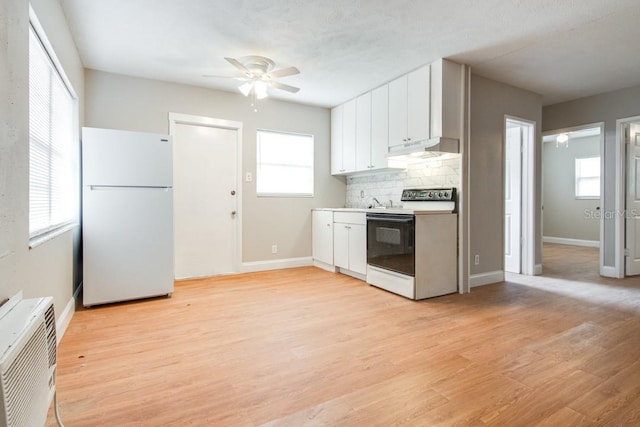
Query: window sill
x=38 y=240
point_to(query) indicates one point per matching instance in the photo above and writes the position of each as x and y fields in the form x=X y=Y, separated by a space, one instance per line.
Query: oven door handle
x=391 y=218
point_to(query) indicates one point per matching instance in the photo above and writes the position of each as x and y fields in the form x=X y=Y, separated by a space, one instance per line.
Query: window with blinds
x=284 y=164
x=52 y=160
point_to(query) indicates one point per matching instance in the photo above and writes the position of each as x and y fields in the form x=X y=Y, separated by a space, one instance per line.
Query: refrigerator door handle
x=124 y=187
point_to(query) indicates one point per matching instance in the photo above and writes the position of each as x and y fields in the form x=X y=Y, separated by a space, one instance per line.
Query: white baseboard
x=67 y=314
x=486 y=278
x=276 y=264
x=353 y=274
x=537 y=270
x=328 y=267
x=573 y=242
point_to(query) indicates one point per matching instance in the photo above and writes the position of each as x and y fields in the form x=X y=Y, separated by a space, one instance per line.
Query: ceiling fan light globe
x=245 y=89
x=261 y=89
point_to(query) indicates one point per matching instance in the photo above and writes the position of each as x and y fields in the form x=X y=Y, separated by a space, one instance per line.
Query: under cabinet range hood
x=428 y=148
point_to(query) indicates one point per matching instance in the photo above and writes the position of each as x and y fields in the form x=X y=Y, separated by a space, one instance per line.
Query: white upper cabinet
x=363 y=132
x=336 y=139
x=349 y=137
x=409 y=108
x=424 y=104
x=343 y=138
x=379 y=127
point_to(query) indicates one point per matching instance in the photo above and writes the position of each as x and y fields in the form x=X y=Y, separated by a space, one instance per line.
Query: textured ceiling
x=561 y=49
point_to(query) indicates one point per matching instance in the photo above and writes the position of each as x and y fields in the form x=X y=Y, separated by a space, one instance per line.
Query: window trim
x=46 y=234
x=577 y=179
x=312 y=167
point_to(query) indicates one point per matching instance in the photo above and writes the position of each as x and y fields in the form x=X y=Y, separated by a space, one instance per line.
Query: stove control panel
x=429 y=195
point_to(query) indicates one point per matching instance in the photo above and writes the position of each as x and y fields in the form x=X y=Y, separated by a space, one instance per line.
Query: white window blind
x=52 y=165
x=284 y=164
x=588 y=178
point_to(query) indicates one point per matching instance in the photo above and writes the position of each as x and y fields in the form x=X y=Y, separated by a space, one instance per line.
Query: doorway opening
x=519 y=196
x=627 y=198
x=572 y=227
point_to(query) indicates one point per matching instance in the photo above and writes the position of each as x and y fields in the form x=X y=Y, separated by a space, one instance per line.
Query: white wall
x=129 y=103
x=53 y=267
x=432 y=173
x=564 y=215
x=607 y=108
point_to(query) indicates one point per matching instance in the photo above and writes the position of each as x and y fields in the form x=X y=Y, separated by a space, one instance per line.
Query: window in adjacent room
x=53 y=165
x=284 y=164
x=588 y=178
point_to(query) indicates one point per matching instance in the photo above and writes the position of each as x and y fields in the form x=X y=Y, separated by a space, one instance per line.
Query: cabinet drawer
x=350 y=217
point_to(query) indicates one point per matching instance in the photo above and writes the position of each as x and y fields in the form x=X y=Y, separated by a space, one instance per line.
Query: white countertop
x=402 y=211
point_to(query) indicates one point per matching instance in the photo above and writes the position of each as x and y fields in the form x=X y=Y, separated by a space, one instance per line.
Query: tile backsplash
x=387 y=187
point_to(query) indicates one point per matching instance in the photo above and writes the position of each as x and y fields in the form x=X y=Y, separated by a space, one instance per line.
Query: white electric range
x=413 y=251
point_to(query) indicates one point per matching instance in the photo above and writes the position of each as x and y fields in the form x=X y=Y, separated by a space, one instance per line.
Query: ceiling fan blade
x=238 y=65
x=242 y=79
x=283 y=86
x=289 y=71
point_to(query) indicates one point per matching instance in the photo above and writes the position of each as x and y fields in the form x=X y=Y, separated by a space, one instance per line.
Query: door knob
x=233 y=192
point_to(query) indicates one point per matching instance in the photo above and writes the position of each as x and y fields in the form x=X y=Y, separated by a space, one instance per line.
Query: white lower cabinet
x=322 y=236
x=350 y=241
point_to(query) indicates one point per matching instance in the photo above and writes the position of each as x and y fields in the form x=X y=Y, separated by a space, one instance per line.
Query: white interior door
x=632 y=266
x=512 y=198
x=205 y=200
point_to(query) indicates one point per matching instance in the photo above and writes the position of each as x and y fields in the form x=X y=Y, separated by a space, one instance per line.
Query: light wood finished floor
x=306 y=347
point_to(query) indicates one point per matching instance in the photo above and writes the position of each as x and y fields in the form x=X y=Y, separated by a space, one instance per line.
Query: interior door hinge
x=627 y=252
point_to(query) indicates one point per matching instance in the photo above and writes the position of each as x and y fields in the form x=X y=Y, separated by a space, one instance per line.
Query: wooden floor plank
x=308 y=347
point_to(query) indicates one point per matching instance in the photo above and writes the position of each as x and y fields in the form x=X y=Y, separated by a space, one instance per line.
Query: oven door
x=390 y=242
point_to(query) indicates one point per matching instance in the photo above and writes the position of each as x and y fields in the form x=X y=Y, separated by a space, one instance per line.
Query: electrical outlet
x=362 y=194
x=274 y=249
x=477 y=259
x=248 y=177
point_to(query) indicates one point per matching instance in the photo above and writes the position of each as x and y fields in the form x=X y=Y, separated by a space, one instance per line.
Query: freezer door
x=127 y=243
x=123 y=158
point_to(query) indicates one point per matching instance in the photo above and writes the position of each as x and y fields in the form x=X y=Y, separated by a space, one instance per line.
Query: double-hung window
x=284 y=164
x=588 y=178
x=53 y=165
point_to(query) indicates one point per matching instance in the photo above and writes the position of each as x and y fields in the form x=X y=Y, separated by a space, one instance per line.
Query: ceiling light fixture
x=562 y=139
x=258 y=75
x=255 y=89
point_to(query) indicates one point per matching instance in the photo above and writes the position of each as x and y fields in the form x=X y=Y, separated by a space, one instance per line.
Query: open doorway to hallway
x=571 y=202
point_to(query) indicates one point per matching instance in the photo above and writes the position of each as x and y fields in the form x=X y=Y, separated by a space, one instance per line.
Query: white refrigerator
x=127 y=215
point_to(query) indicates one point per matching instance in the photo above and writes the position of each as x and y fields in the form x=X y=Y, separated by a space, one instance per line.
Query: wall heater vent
x=27 y=361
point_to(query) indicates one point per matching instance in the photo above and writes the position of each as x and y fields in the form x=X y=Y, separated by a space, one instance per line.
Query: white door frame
x=620 y=195
x=188 y=119
x=528 y=200
x=602 y=269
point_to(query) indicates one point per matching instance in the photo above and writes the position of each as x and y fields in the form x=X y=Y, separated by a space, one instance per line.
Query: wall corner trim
x=488 y=278
x=276 y=264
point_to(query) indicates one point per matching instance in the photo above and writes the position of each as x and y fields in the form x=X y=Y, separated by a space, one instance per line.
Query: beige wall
x=51 y=268
x=129 y=103
x=607 y=108
x=565 y=216
x=490 y=102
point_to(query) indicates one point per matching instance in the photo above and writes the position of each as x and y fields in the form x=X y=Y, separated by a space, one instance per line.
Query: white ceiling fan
x=259 y=75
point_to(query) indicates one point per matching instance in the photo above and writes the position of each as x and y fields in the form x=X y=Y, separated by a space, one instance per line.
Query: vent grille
x=50 y=320
x=25 y=382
